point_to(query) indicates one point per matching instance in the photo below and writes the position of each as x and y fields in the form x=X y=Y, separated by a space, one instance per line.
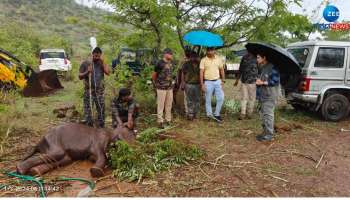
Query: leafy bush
x=149 y=155
x=170 y=153
x=129 y=163
x=149 y=135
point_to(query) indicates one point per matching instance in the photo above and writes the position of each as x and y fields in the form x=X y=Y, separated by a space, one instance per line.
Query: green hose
x=40 y=181
x=2 y=186
x=33 y=179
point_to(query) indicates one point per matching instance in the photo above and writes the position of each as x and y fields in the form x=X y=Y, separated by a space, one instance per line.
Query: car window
x=300 y=54
x=128 y=56
x=330 y=57
x=52 y=55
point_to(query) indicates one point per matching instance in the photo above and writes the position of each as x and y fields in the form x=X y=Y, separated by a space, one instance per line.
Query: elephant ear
x=126 y=134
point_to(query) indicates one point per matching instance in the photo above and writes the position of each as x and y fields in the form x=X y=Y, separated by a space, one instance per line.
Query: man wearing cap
x=94 y=88
x=163 y=79
x=212 y=78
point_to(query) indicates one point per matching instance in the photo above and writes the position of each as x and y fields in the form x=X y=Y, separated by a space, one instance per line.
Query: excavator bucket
x=38 y=83
x=42 y=83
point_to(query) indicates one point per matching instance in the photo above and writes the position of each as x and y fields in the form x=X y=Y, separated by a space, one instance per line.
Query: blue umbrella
x=204 y=38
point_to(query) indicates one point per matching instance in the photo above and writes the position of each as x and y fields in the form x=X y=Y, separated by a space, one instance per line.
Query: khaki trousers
x=164 y=102
x=248 y=92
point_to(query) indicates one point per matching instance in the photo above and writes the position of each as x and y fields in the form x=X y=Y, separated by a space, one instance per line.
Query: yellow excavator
x=16 y=74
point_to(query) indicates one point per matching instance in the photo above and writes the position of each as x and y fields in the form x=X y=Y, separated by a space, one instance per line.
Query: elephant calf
x=66 y=143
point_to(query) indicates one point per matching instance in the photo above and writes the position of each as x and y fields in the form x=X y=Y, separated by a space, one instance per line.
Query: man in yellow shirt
x=212 y=78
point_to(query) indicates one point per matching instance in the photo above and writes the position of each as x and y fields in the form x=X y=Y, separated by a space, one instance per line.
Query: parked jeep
x=55 y=59
x=136 y=60
x=325 y=83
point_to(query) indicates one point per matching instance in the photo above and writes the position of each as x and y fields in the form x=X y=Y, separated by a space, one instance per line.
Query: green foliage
x=283 y=27
x=149 y=135
x=129 y=163
x=24 y=42
x=20 y=40
x=144 y=91
x=142 y=82
x=3 y=108
x=149 y=155
x=166 y=22
x=123 y=76
x=337 y=35
x=168 y=153
x=52 y=19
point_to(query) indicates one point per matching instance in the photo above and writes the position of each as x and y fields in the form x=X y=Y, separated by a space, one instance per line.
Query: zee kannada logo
x=331 y=13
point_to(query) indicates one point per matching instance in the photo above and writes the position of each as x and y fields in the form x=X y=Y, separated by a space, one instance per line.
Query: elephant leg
x=24 y=166
x=97 y=169
x=49 y=159
x=43 y=168
x=54 y=153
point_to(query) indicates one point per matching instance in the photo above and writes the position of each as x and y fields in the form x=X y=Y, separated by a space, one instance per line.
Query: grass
x=36 y=113
x=149 y=155
x=152 y=155
x=305 y=171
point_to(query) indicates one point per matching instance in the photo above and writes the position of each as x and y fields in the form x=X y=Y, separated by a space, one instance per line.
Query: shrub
x=149 y=155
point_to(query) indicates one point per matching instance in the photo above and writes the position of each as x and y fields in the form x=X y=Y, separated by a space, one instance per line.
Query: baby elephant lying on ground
x=69 y=142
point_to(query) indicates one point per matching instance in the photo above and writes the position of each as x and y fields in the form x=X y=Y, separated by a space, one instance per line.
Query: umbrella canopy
x=287 y=65
x=279 y=57
x=204 y=38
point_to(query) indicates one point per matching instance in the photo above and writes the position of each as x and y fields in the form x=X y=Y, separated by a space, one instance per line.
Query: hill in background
x=51 y=18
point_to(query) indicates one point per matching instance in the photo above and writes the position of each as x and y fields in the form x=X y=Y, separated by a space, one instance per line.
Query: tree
x=236 y=20
x=150 y=16
x=337 y=35
x=283 y=27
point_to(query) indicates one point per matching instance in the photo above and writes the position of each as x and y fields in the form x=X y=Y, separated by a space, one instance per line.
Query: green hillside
x=50 y=20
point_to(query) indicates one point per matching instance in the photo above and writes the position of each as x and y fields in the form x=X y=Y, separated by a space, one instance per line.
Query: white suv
x=325 y=82
x=55 y=59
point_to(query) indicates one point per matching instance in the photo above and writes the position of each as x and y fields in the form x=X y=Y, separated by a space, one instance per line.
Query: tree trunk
x=159 y=38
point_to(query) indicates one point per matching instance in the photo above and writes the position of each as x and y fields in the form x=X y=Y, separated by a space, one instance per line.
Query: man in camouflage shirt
x=163 y=78
x=248 y=73
x=96 y=70
x=124 y=110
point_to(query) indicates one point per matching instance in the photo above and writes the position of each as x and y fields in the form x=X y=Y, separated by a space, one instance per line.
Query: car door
x=348 y=68
x=328 y=67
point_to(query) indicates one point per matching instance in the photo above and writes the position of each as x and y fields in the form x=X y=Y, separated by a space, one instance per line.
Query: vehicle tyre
x=335 y=107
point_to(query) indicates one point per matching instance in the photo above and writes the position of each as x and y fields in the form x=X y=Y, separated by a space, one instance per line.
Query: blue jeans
x=213 y=87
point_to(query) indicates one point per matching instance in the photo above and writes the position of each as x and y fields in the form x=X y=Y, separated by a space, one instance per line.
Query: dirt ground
x=308 y=157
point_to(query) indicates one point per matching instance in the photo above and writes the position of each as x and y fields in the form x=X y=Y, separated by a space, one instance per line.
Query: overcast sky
x=310 y=5
x=307 y=7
